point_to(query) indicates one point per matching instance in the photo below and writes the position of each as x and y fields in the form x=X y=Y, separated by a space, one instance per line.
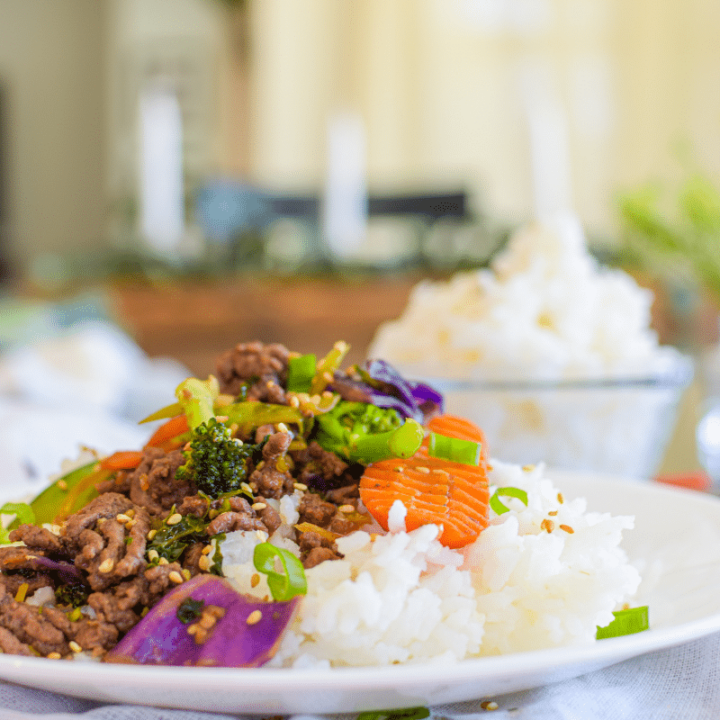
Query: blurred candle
x=345 y=202
x=549 y=142
x=162 y=211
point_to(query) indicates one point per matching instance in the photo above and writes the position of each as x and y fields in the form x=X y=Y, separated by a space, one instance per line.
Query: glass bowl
x=617 y=426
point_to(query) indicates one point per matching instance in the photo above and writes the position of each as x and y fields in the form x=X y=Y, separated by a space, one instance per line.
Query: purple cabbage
x=67 y=572
x=161 y=638
x=383 y=386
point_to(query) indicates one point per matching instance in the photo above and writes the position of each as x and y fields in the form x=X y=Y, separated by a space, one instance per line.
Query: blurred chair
x=236 y=215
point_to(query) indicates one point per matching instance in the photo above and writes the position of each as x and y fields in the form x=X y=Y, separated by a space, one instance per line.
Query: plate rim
x=29 y=671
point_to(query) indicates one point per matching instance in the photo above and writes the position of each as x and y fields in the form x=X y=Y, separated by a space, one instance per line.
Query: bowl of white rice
x=553 y=355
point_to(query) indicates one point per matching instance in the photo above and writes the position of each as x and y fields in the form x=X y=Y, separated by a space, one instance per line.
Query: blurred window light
x=162 y=217
x=495 y=16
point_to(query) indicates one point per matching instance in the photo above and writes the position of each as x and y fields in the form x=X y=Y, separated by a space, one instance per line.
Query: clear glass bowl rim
x=677 y=377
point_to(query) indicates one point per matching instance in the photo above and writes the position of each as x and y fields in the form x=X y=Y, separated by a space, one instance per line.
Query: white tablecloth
x=680 y=683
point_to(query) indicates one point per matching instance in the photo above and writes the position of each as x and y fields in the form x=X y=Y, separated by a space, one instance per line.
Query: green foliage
x=687 y=242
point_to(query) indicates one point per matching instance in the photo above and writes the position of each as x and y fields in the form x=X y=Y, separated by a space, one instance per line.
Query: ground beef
x=316 y=548
x=195 y=505
x=313 y=509
x=154 y=484
x=263 y=366
x=269 y=515
x=267 y=480
x=39 y=539
x=320 y=469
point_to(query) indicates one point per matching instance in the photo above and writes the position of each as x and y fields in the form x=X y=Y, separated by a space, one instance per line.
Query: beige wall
x=51 y=64
x=439 y=85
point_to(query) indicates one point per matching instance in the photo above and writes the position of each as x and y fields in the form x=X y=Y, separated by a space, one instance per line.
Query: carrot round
x=433 y=490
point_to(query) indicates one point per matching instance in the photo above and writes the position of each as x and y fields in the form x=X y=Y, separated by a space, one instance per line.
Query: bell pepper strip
x=24 y=514
x=327 y=366
x=433 y=490
x=197 y=398
x=174 y=428
x=301 y=371
x=169 y=411
x=122 y=460
x=249 y=416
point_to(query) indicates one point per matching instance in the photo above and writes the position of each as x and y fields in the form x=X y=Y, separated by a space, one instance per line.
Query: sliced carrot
x=169 y=431
x=432 y=489
x=122 y=460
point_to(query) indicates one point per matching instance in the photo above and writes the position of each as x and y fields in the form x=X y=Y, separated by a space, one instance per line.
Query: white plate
x=673 y=528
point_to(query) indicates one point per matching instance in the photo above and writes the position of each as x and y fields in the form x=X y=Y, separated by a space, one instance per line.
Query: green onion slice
x=417 y=713
x=283 y=585
x=626 y=622
x=301 y=371
x=454 y=449
x=498 y=506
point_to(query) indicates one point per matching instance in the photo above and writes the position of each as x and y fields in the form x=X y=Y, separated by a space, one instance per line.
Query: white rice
x=403 y=597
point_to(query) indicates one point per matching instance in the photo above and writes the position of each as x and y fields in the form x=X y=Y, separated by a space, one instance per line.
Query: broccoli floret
x=215 y=461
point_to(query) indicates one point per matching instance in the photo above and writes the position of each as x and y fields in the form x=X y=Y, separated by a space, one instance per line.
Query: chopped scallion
x=301 y=371
x=498 y=506
x=626 y=622
x=454 y=449
x=402 y=442
x=283 y=585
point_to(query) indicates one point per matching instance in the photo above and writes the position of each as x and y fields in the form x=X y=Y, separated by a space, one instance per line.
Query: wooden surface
x=194 y=322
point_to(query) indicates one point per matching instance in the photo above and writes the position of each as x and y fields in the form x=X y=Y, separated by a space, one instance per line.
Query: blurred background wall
x=524 y=104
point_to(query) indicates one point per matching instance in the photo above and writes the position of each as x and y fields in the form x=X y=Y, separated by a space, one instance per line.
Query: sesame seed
x=153 y=554
x=547 y=525
x=528 y=468
x=174 y=519
x=282 y=427
x=269 y=384
x=106 y=565
x=294 y=402
x=207 y=621
x=62 y=484
x=561 y=499
x=567 y=529
x=186 y=573
x=163 y=561
x=254 y=617
x=204 y=563
x=300 y=486
x=346 y=508
x=151 y=534
x=259 y=506
x=262 y=535
x=489 y=705
x=192 y=629
x=130 y=513
x=130 y=524
x=74 y=646
x=553 y=513
x=53 y=656
x=254 y=580
x=207 y=549
x=175 y=577
x=423 y=469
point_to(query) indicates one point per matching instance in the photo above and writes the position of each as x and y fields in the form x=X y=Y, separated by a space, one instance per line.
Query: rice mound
x=531 y=580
